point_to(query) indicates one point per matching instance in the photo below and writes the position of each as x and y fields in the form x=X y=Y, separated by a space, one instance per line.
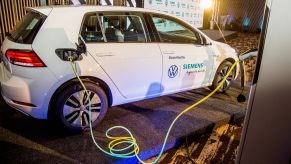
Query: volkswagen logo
x=173 y=71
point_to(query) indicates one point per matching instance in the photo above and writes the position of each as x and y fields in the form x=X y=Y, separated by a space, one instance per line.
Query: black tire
x=68 y=97
x=220 y=74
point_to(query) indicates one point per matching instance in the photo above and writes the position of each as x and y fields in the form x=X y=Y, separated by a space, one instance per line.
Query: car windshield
x=27 y=28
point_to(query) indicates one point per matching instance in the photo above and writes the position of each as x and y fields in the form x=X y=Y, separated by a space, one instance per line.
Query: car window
x=116 y=27
x=27 y=28
x=91 y=31
x=174 y=31
x=124 y=28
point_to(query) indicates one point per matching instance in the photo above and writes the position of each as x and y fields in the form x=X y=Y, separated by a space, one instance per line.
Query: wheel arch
x=232 y=60
x=100 y=82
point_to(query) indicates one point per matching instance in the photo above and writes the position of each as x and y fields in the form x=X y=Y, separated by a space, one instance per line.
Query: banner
x=131 y=3
x=106 y=2
x=188 y=10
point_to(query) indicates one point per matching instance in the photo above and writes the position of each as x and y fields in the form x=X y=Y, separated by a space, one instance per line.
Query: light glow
x=206 y=4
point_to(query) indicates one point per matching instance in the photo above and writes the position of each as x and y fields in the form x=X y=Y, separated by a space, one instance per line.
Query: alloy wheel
x=229 y=79
x=76 y=108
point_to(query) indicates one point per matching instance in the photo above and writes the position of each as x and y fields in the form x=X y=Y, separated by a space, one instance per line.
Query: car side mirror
x=205 y=41
x=208 y=43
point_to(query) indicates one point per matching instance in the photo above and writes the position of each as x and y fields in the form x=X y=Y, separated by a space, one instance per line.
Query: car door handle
x=104 y=54
x=169 y=52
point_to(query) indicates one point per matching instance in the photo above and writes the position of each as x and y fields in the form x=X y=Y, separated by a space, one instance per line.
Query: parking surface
x=27 y=140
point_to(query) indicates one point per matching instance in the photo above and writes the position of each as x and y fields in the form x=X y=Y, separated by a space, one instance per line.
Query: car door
x=186 y=61
x=123 y=49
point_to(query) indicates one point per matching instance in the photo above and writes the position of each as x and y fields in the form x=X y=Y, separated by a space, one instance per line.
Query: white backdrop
x=188 y=10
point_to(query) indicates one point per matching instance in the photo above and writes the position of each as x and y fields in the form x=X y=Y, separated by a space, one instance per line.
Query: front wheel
x=220 y=74
x=72 y=106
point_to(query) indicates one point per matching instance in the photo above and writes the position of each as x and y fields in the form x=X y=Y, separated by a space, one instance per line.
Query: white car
x=131 y=54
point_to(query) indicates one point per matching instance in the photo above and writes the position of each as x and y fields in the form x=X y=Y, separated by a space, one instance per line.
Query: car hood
x=226 y=48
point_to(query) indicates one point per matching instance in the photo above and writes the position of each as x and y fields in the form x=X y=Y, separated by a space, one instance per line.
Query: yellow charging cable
x=126 y=146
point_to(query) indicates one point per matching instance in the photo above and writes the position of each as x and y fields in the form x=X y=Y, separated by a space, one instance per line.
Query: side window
x=91 y=31
x=172 y=31
x=124 y=28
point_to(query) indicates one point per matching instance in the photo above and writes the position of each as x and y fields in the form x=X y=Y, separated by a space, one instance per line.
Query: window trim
x=122 y=13
x=155 y=38
x=101 y=26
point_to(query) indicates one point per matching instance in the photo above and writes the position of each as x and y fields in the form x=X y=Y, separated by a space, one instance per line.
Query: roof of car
x=87 y=8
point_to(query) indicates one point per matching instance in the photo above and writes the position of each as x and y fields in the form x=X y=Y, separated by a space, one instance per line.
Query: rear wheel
x=72 y=106
x=220 y=74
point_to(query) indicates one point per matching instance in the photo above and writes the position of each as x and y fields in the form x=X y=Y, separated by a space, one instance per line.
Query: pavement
x=27 y=140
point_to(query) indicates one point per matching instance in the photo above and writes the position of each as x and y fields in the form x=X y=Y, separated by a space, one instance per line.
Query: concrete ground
x=26 y=140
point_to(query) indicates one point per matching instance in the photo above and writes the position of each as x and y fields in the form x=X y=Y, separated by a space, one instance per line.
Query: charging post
x=266 y=136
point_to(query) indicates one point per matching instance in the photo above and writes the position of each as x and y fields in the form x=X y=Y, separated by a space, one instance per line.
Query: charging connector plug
x=67 y=54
